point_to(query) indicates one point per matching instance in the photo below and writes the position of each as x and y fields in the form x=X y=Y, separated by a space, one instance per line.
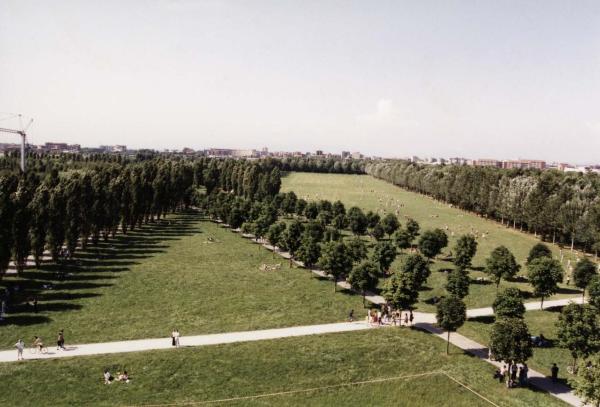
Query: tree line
x=561 y=207
x=60 y=211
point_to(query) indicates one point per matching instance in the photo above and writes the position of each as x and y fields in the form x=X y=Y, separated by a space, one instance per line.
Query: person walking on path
x=411 y=317
x=173 y=337
x=60 y=341
x=20 y=345
x=351 y=316
x=406 y=319
x=554 y=371
x=177 y=338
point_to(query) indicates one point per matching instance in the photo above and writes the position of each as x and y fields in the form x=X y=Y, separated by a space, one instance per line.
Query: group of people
x=121 y=377
x=513 y=375
x=390 y=317
x=38 y=344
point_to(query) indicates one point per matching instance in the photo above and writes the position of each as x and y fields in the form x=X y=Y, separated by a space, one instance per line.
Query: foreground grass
x=370 y=193
x=538 y=322
x=170 y=275
x=247 y=369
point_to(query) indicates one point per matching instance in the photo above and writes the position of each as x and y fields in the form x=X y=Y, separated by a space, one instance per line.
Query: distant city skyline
x=502 y=80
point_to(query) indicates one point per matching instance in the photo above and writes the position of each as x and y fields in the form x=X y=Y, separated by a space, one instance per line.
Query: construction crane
x=23 y=139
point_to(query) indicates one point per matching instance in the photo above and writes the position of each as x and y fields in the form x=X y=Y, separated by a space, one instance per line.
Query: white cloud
x=386 y=114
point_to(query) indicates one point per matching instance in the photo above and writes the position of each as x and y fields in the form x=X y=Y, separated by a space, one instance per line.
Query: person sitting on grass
x=107 y=377
x=123 y=377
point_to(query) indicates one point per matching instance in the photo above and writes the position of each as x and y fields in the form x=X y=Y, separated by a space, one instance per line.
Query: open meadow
x=331 y=365
x=369 y=193
x=185 y=272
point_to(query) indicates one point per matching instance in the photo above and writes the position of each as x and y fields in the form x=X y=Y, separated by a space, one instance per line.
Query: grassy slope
x=538 y=322
x=217 y=372
x=369 y=193
x=169 y=276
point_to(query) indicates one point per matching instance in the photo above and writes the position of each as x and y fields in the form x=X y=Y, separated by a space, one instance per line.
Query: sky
x=478 y=79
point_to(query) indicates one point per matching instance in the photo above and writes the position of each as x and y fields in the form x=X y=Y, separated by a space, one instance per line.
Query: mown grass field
x=170 y=275
x=265 y=367
x=538 y=322
x=379 y=196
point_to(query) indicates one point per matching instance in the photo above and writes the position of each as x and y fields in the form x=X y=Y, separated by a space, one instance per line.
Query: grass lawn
x=165 y=276
x=539 y=322
x=370 y=193
x=254 y=368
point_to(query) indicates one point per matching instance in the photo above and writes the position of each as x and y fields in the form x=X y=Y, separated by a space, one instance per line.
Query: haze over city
x=474 y=79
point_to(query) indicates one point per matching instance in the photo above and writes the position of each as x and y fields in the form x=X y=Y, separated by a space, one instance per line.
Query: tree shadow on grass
x=480 y=282
x=55 y=284
x=24 y=320
x=486 y=319
x=563 y=290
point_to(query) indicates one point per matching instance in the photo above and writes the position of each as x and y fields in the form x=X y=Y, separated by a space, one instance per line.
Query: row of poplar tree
x=563 y=207
x=60 y=211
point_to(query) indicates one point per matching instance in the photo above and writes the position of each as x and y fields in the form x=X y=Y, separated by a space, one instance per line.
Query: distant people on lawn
x=20 y=345
x=121 y=377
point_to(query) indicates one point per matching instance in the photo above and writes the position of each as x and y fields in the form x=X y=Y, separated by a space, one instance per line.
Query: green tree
x=583 y=273
x=357 y=221
x=399 y=290
x=363 y=277
x=390 y=223
x=544 y=274
x=412 y=227
x=311 y=211
x=378 y=232
x=335 y=260
x=510 y=341
x=56 y=216
x=309 y=251
x=457 y=283
x=464 y=251
x=432 y=242
x=21 y=219
x=291 y=238
x=384 y=255
x=300 y=206
x=402 y=239
x=578 y=329
x=586 y=383
x=594 y=292
x=340 y=222
x=8 y=185
x=537 y=251
x=415 y=266
x=39 y=222
x=501 y=264
x=275 y=233
x=372 y=219
x=509 y=304
x=338 y=209
x=451 y=314
x=358 y=249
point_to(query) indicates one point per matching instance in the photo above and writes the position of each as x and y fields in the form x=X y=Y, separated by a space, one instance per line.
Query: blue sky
x=504 y=79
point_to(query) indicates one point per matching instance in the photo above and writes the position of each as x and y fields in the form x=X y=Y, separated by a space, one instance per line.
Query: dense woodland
x=562 y=207
x=59 y=205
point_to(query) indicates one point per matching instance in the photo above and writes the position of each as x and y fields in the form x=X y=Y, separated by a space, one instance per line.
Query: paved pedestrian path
x=529 y=306
x=197 y=340
x=536 y=379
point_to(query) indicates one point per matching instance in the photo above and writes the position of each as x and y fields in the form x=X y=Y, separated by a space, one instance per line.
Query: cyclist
x=38 y=343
